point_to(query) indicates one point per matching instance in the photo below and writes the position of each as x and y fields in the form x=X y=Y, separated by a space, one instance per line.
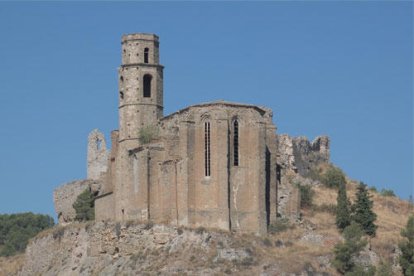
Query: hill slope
x=301 y=248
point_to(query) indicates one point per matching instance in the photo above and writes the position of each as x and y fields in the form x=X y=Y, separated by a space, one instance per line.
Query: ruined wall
x=97 y=155
x=300 y=155
x=64 y=196
x=297 y=157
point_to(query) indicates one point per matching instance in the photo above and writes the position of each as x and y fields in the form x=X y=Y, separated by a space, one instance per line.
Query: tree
x=333 y=178
x=17 y=229
x=85 y=206
x=407 y=248
x=362 y=211
x=343 y=218
x=345 y=252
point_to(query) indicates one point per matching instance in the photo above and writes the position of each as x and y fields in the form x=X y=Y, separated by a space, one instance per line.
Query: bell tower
x=140 y=86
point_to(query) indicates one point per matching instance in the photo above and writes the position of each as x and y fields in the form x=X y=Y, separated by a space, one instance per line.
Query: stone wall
x=97 y=155
x=300 y=155
x=64 y=196
x=296 y=158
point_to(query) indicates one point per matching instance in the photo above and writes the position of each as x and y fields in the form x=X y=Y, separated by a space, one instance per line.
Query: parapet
x=139 y=36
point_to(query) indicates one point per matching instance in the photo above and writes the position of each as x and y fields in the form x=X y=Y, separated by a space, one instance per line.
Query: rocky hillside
x=301 y=248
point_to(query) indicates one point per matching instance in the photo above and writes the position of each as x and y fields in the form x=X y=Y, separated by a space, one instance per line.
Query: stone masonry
x=218 y=164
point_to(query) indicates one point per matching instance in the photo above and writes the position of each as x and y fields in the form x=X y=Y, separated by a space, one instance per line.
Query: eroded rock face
x=64 y=196
x=130 y=249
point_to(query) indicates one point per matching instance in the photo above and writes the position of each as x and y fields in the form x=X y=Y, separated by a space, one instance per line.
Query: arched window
x=147 y=86
x=235 y=143
x=207 y=149
x=146 y=51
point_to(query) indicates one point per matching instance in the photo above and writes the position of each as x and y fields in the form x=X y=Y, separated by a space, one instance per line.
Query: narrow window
x=147 y=86
x=207 y=148
x=146 y=50
x=121 y=94
x=236 y=143
x=98 y=144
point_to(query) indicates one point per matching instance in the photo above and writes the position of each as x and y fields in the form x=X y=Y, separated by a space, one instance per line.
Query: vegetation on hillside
x=343 y=218
x=346 y=252
x=362 y=212
x=407 y=248
x=85 y=206
x=333 y=177
x=17 y=229
x=306 y=195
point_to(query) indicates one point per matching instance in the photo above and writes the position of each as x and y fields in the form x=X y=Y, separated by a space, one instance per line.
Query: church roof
x=261 y=110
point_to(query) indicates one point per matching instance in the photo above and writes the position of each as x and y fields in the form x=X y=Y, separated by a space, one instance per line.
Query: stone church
x=214 y=165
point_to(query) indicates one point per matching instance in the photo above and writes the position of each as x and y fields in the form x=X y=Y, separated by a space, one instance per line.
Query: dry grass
x=11 y=265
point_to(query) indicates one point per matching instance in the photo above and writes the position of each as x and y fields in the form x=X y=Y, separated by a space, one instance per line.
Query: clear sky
x=343 y=69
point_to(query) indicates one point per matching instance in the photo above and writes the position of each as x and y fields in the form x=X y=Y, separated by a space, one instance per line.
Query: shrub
x=373 y=189
x=386 y=192
x=280 y=225
x=147 y=134
x=407 y=248
x=306 y=195
x=315 y=174
x=333 y=178
x=384 y=269
x=85 y=206
x=345 y=252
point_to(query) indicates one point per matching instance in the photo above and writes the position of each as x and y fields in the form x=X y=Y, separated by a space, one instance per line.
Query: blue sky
x=343 y=69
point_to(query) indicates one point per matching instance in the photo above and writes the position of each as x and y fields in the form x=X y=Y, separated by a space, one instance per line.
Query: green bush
x=85 y=206
x=346 y=252
x=280 y=225
x=407 y=248
x=306 y=195
x=373 y=189
x=147 y=134
x=333 y=177
x=386 y=192
x=17 y=229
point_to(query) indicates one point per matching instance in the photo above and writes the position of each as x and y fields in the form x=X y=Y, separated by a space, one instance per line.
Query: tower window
x=121 y=94
x=147 y=86
x=146 y=51
x=236 y=143
x=207 y=148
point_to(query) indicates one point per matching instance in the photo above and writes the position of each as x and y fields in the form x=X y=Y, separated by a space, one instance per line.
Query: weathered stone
x=97 y=155
x=216 y=165
x=64 y=196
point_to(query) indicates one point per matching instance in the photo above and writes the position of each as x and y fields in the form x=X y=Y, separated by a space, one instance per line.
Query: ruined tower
x=140 y=85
